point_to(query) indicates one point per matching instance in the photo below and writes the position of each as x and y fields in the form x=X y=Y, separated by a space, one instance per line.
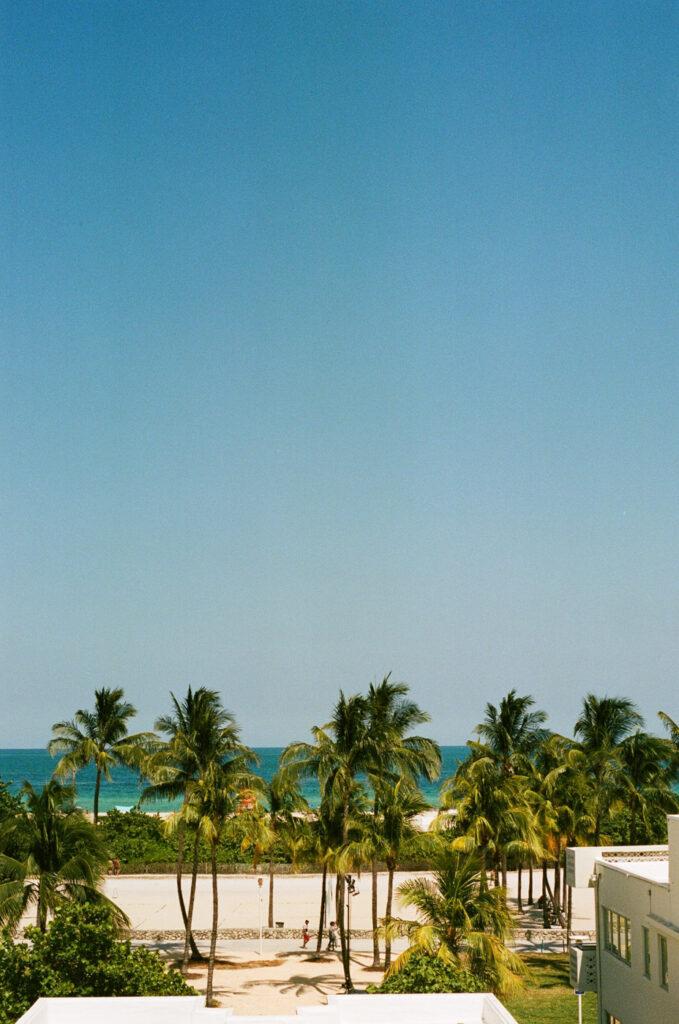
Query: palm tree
x=460 y=920
x=494 y=813
x=513 y=732
x=65 y=857
x=325 y=842
x=194 y=727
x=212 y=805
x=206 y=737
x=601 y=728
x=399 y=806
x=284 y=799
x=100 y=736
x=341 y=750
x=648 y=771
x=391 y=718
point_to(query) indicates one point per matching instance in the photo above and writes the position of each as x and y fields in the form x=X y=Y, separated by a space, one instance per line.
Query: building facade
x=637 y=926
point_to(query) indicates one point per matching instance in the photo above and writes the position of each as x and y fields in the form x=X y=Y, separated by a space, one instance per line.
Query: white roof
x=464 y=1008
x=650 y=870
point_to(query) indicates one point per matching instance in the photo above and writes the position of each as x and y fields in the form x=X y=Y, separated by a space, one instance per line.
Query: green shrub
x=79 y=955
x=423 y=972
x=134 y=837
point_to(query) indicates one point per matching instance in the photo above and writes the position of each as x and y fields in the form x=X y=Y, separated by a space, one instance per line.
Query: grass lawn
x=548 y=997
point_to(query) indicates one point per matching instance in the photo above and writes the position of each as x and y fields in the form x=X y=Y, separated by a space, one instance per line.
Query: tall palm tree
x=341 y=750
x=213 y=802
x=100 y=736
x=193 y=729
x=65 y=857
x=391 y=718
x=206 y=741
x=460 y=920
x=601 y=728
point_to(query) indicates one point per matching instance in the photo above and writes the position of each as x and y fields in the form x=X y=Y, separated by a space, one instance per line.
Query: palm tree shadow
x=300 y=984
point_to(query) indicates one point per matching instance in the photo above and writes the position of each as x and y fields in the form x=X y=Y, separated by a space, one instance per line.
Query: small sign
x=579 y=992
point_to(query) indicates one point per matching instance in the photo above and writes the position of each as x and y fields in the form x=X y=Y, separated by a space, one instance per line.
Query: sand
x=279 y=983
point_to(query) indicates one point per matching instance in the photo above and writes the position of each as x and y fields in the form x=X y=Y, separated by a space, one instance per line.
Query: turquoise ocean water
x=35 y=766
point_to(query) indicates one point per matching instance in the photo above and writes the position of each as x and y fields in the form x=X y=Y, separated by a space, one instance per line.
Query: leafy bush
x=134 y=837
x=79 y=955
x=423 y=972
x=618 y=826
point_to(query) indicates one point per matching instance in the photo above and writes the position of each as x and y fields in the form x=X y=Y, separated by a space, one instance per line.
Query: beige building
x=637 y=920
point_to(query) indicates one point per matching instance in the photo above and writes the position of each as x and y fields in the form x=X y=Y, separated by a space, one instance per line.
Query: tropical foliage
x=65 y=857
x=460 y=920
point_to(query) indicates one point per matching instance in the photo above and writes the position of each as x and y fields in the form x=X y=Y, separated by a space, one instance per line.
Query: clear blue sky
x=338 y=338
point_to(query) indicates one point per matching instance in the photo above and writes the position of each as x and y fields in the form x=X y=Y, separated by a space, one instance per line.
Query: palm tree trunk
x=40 y=921
x=518 y=891
x=215 y=923
x=195 y=952
x=321 y=920
x=545 y=883
x=530 y=883
x=633 y=826
x=192 y=900
x=484 y=881
x=376 y=941
x=569 y=916
x=504 y=871
x=271 y=874
x=387 y=941
x=97 y=784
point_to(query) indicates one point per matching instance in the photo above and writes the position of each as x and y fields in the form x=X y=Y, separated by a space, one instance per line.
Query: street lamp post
x=260 y=883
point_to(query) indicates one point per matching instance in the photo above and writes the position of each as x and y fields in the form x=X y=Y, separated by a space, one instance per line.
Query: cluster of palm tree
x=366 y=749
x=525 y=794
x=518 y=800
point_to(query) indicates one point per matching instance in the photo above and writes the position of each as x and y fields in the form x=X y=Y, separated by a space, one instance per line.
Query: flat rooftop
x=462 y=1008
x=649 y=870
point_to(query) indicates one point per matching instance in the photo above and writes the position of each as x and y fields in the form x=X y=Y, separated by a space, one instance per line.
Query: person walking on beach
x=306 y=934
x=332 y=935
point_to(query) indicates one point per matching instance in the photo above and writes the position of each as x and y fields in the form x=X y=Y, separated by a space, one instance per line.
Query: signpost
x=579 y=993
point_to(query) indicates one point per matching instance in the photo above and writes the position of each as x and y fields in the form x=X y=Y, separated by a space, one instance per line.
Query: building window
x=647 y=952
x=662 y=948
x=617 y=935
